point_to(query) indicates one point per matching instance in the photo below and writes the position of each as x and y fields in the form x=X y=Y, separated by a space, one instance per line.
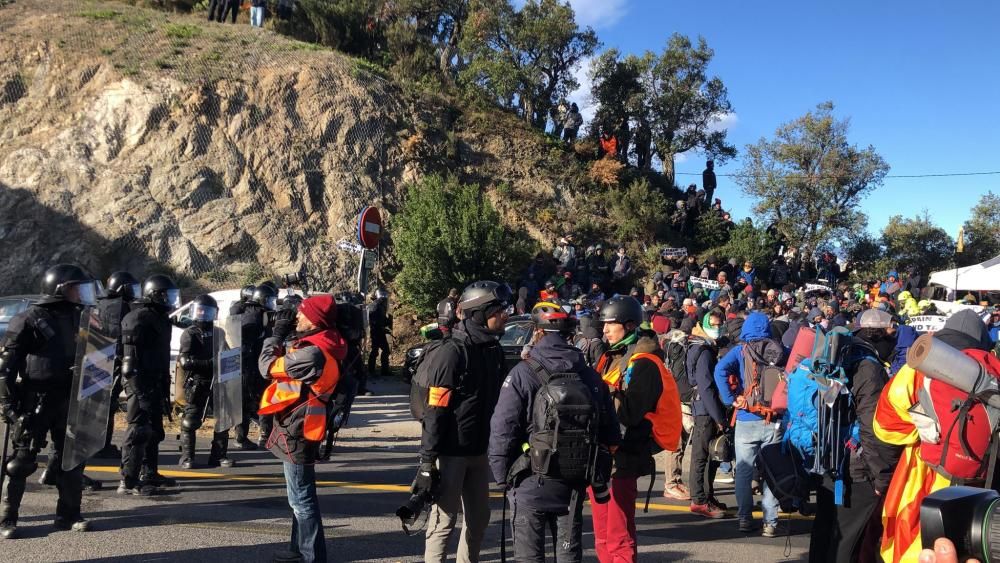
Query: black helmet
x=247 y=293
x=204 y=309
x=162 y=290
x=381 y=293
x=550 y=317
x=271 y=284
x=483 y=296
x=265 y=296
x=68 y=282
x=125 y=285
x=622 y=309
x=446 y=313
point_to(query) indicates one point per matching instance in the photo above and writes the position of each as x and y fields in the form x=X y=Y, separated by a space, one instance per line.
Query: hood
x=590 y=328
x=555 y=354
x=756 y=327
x=892 y=274
x=699 y=333
x=905 y=337
x=965 y=330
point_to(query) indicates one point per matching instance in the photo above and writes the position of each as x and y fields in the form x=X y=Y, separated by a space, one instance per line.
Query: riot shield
x=93 y=379
x=227 y=388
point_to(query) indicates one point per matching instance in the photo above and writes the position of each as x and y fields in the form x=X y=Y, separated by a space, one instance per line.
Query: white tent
x=981 y=277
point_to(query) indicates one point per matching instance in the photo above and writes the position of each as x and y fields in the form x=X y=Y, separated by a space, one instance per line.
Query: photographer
x=542 y=499
x=464 y=375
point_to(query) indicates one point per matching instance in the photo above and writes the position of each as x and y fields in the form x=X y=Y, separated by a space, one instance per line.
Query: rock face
x=233 y=154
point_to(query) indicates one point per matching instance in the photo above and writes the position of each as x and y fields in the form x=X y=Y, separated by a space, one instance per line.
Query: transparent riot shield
x=93 y=379
x=227 y=388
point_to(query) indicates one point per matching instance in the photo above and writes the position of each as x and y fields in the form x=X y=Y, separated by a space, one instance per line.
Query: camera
x=414 y=510
x=290 y=280
x=602 y=474
x=968 y=516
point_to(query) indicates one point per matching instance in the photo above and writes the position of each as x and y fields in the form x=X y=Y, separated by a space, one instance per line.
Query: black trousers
x=141 y=448
x=26 y=442
x=197 y=394
x=532 y=530
x=845 y=533
x=231 y=6
x=380 y=343
x=215 y=9
x=703 y=467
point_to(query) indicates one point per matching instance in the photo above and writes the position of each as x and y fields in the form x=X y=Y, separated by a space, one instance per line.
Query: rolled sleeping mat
x=944 y=363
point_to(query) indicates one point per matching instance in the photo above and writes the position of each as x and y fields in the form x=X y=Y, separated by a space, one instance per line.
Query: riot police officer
x=122 y=289
x=146 y=369
x=238 y=307
x=37 y=358
x=198 y=357
x=253 y=331
x=379 y=328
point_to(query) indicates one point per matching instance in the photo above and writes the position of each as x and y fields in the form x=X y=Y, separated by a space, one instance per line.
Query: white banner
x=707 y=284
x=927 y=323
x=674 y=252
x=817 y=287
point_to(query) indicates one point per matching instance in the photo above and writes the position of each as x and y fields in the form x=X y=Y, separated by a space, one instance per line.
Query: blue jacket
x=994 y=333
x=511 y=422
x=905 y=337
x=756 y=327
x=749 y=277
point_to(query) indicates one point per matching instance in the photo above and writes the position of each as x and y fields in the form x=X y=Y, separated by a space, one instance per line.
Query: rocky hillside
x=142 y=140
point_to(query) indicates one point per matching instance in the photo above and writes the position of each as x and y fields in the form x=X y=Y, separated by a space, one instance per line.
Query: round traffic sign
x=370 y=228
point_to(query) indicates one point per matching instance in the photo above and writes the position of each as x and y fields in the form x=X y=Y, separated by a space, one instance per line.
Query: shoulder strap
x=539 y=370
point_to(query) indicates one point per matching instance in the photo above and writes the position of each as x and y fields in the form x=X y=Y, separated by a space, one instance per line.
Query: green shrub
x=637 y=212
x=449 y=235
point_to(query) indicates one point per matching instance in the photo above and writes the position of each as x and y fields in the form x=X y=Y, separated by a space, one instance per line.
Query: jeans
x=750 y=436
x=531 y=530
x=703 y=467
x=257 y=16
x=465 y=485
x=307 y=522
x=614 y=523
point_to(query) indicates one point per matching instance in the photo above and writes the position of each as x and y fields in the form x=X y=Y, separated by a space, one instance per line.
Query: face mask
x=713 y=332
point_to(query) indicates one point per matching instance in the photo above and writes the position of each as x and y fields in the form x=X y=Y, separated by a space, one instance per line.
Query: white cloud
x=599 y=13
x=724 y=122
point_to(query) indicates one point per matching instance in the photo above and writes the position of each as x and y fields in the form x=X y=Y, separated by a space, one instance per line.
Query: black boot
x=8 y=529
x=187 y=450
x=91 y=484
x=153 y=478
x=77 y=524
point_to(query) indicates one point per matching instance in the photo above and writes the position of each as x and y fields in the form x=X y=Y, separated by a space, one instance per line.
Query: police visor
x=203 y=313
x=84 y=293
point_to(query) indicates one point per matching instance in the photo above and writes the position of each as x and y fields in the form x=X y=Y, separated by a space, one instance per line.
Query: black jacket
x=512 y=421
x=197 y=352
x=40 y=345
x=146 y=348
x=702 y=355
x=875 y=460
x=253 y=332
x=634 y=457
x=472 y=373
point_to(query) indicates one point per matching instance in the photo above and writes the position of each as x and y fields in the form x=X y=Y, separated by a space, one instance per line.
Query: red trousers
x=614 y=522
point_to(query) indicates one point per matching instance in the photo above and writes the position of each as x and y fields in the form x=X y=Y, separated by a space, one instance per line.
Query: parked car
x=12 y=305
x=517 y=333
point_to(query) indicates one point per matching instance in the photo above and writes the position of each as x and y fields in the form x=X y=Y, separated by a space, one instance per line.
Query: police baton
x=3 y=456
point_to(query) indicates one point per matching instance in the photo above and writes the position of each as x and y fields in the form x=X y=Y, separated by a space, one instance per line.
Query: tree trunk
x=668 y=167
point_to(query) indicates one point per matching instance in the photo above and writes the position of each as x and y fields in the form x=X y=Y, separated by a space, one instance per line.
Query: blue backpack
x=820 y=421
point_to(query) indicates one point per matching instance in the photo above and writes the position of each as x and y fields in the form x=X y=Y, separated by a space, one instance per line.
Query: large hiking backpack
x=420 y=385
x=762 y=374
x=563 y=435
x=675 y=354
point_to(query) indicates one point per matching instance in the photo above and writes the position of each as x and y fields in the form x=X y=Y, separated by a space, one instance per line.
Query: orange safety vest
x=666 y=417
x=285 y=392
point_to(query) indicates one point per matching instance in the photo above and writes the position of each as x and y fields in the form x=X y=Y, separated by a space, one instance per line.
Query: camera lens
x=991 y=532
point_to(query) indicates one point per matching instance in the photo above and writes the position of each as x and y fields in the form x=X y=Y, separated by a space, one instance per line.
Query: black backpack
x=675 y=356
x=420 y=385
x=563 y=434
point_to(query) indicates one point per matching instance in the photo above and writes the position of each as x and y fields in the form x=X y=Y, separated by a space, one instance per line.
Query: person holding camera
x=553 y=426
x=463 y=376
x=302 y=359
x=649 y=409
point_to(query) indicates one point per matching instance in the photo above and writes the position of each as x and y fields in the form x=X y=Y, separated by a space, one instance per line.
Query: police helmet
x=246 y=293
x=125 y=285
x=162 y=290
x=381 y=293
x=446 y=313
x=68 y=282
x=204 y=309
x=265 y=296
x=484 y=296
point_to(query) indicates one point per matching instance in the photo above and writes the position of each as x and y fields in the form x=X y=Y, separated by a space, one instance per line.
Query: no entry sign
x=369 y=228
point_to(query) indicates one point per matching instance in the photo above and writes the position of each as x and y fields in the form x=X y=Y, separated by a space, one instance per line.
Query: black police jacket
x=197 y=352
x=40 y=344
x=469 y=375
x=253 y=331
x=146 y=347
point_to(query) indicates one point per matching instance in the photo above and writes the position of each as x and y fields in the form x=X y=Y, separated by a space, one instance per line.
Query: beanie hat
x=321 y=310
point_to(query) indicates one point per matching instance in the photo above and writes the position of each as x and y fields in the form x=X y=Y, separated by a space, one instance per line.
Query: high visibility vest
x=285 y=392
x=666 y=417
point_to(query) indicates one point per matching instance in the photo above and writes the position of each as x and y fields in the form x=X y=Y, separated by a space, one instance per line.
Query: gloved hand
x=427 y=478
x=284 y=323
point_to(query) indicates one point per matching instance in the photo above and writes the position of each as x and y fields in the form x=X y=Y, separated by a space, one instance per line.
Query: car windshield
x=516 y=334
x=9 y=308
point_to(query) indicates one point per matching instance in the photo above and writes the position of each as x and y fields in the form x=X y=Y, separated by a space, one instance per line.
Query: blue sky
x=919 y=80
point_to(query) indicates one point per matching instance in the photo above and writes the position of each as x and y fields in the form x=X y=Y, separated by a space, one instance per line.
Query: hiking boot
x=110 y=451
x=154 y=479
x=219 y=462
x=8 y=529
x=770 y=531
x=78 y=525
x=286 y=557
x=47 y=478
x=716 y=502
x=677 y=491
x=90 y=484
x=186 y=463
x=709 y=510
x=748 y=525
x=139 y=489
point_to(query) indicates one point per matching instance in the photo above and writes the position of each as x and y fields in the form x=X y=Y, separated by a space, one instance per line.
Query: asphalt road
x=240 y=515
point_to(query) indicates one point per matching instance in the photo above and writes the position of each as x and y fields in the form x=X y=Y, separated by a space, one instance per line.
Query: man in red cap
x=302 y=359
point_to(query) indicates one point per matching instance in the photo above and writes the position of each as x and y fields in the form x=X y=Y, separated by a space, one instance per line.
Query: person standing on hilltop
x=708 y=181
x=257 y=8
